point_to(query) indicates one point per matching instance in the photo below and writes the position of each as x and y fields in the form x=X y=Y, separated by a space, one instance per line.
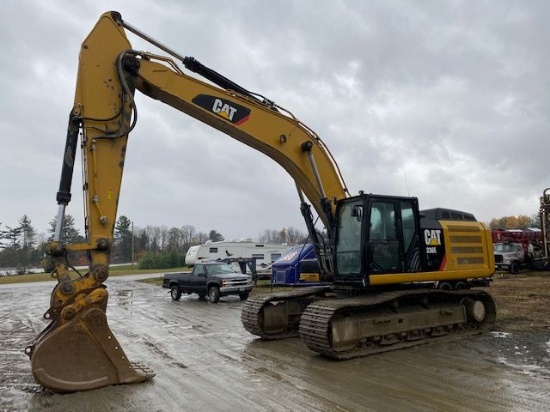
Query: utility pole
x=133 y=256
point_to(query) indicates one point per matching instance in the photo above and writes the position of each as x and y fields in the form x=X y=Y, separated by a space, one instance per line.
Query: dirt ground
x=523 y=301
x=206 y=361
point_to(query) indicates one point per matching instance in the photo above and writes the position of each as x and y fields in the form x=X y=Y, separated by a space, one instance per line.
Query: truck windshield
x=504 y=247
x=221 y=268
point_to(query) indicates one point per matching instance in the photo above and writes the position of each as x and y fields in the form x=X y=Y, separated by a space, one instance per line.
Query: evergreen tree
x=13 y=236
x=12 y=252
x=69 y=233
x=28 y=232
x=123 y=238
x=29 y=254
x=215 y=236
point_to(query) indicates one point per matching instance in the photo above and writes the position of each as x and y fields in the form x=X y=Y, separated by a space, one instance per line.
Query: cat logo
x=227 y=109
x=223 y=109
x=432 y=237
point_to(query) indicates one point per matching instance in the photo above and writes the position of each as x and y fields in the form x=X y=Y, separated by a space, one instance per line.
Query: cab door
x=384 y=243
x=392 y=235
x=198 y=279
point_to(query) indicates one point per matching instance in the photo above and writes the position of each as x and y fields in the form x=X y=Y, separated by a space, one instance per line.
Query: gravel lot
x=206 y=361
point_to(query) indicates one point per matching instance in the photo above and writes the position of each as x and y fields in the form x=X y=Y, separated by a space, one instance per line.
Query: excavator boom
x=77 y=350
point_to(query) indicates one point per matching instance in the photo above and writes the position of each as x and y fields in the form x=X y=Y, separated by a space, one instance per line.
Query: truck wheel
x=243 y=296
x=514 y=268
x=214 y=294
x=175 y=293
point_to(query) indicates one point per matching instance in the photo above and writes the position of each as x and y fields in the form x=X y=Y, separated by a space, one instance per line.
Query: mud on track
x=206 y=361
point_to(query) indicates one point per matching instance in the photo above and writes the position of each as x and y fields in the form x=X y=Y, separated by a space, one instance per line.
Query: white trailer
x=265 y=254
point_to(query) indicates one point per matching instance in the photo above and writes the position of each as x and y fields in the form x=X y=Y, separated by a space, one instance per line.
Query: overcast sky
x=444 y=100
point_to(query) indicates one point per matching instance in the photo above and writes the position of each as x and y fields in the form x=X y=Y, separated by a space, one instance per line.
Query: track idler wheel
x=475 y=310
x=82 y=354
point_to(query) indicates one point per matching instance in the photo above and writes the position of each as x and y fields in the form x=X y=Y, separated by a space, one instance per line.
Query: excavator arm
x=77 y=350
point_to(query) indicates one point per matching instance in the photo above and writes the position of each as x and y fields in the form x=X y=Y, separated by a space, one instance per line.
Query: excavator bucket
x=82 y=354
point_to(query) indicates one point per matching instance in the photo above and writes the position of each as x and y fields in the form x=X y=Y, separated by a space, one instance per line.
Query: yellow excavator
x=394 y=276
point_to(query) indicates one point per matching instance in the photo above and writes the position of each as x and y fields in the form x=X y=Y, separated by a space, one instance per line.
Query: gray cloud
x=446 y=101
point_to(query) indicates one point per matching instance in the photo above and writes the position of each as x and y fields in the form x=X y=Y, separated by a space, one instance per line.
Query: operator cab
x=376 y=234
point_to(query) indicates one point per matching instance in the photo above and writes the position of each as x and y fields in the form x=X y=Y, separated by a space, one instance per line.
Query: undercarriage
x=345 y=328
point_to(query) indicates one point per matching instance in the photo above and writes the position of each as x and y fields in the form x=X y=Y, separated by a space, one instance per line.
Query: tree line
x=515 y=222
x=21 y=247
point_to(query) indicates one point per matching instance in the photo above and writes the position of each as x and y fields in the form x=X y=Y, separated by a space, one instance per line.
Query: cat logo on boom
x=231 y=111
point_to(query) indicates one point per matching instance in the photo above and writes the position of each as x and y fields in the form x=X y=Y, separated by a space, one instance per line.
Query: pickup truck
x=212 y=279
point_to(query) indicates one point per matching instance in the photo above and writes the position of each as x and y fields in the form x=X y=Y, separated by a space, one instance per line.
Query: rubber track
x=315 y=321
x=252 y=310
